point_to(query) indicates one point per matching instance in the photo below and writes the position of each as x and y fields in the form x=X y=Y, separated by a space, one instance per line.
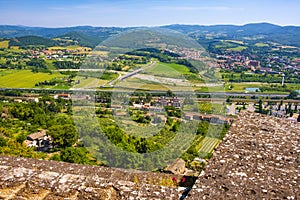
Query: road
x=119 y=89
x=111 y=83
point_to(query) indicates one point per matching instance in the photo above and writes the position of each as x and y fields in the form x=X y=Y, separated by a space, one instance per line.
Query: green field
x=89 y=82
x=240 y=87
x=71 y=47
x=4 y=44
x=23 y=78
x=234 y=41
x=170 y=70
x=261 y=45
x=151 y=85
x=211 y=108
x=239 y=48
x=209 y=144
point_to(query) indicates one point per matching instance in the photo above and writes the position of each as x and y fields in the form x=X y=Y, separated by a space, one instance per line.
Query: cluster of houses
x=63 y=96
x=158 y=105
x=58 y=54
x=236 y=59
x=215 y=119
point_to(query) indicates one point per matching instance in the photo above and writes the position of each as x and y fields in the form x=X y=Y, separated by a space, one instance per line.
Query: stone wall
x=22 y=178
x=258 y=159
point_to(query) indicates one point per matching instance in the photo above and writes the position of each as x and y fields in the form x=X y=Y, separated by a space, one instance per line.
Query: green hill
x=79 y=39
x=32 y=40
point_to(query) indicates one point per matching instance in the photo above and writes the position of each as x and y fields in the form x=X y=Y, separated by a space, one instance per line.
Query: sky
x=123 y=13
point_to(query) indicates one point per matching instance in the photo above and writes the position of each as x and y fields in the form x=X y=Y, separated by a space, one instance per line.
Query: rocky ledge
x=258 y=159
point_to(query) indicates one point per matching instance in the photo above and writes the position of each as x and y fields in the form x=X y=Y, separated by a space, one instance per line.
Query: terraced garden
x=208 y=144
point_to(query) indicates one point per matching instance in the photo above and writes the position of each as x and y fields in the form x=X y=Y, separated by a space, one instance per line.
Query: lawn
x=4 y=44
x=23 y=78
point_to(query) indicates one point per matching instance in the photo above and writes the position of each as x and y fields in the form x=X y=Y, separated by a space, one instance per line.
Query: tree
x=75 y=155
x=170 y=93
x=63 y=135
x=293 y=95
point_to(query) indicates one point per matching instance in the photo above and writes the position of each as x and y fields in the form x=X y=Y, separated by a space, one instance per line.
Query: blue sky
x=55 y=13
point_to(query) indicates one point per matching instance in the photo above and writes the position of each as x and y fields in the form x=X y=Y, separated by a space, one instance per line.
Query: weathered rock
x=258 y=159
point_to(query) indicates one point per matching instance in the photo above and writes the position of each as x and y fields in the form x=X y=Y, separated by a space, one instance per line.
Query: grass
x=209 y=89
x=61 y=87
x=169 y=70
x=71 y=47
x=89 y=82
x=211 y=108
x=238 y=48
x=137 y=83
x=4 y=44
x=24 y=78
x=15 y=47
x=235 y=41
x=240 y=87
x=209 y=144
x=261 y=45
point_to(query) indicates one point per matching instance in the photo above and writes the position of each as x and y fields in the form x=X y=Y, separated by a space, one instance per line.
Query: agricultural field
x=238 y=48
x=261 y=45
x=240 y=87
x=89 y=82
x=208 y=144
x=211 y=108
x=209 y=88
x=234 y=41
x=24 y=78
x=71 y=47
x=4 y=44
x=168 y=70
x=137 y=83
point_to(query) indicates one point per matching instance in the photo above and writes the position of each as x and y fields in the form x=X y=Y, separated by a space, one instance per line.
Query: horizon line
x=137 y=26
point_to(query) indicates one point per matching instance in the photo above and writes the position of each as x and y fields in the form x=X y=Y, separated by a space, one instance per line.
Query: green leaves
x=75 y=155
x=63 y=135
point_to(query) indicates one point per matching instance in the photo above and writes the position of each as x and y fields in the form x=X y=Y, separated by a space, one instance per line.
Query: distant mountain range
x=91 y=36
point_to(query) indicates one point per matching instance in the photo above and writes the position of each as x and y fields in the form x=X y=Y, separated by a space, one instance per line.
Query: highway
x=131 y=74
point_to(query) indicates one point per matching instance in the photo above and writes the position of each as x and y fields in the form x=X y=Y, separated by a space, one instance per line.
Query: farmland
x=4 y=44
x=238 y=48
x=24 y=78
x=261 y=45
x=88 y=82
x=208 y=144
x=168 y=70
